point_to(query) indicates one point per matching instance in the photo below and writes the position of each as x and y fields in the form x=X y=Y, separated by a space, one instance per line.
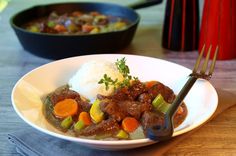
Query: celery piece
x=51 y=24
x=158 y=100
x=79 y=125
x=66 y=123
x=164 y=107
x=160 y=104
x=102 y=136
x=122 y=134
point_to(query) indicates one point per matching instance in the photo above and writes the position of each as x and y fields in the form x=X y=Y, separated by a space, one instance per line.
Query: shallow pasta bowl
x=201 y=101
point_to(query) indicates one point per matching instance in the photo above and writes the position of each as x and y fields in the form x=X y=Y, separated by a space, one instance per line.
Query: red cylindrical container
x=219 y=27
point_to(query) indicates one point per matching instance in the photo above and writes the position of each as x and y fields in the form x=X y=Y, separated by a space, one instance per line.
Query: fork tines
x=202 y=73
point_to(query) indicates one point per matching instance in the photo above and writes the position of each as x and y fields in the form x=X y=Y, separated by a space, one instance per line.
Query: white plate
x=201 y=101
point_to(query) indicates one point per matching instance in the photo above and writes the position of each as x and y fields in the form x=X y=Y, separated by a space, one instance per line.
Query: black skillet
x=54 y=46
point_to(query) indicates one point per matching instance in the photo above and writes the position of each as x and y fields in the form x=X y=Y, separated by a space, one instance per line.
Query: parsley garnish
x=107 y=81
x=124 y=70
x=122 y=67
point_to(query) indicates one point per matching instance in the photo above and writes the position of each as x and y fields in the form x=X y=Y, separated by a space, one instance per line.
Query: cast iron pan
x=54 y=46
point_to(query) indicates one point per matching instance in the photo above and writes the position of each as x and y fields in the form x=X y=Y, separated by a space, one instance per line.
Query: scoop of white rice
x=86 y=79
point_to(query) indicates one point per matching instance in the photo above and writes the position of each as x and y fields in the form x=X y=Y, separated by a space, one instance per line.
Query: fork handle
x=180 y=97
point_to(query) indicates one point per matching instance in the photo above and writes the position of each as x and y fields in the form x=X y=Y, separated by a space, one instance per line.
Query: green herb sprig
x=122 y=67
x=124 y=70
x=107 y=81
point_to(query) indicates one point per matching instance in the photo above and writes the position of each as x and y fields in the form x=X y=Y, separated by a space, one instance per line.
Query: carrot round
x=65 y=108
x=87 y=28
x=130 y=124
x=149 y=84
x=60 y=28
x=85 y=117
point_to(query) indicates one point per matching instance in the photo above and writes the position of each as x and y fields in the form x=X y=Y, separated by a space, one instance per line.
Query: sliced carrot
x=130 y=124
x=60 y=28
x=85 y=117
x=87 y=28
x=65 y=108
x=149 y=84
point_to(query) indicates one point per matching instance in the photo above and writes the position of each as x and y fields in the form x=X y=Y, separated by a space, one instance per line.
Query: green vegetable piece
x=104 y=29
x=79 y=125
x=108 y=81
x=103 y=136
x=160 y=104
x=122 y=67
x=67 y=122
x=33 y=28
x=95 y=112
x=122 y=135
x=51 y=24
x=158 y=100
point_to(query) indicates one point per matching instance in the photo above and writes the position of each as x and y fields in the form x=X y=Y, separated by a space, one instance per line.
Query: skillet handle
x=144 y=4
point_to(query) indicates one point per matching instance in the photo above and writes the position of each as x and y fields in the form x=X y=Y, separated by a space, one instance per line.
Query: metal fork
x=165 y=131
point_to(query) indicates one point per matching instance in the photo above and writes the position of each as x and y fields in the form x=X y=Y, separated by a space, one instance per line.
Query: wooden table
x=216 y=138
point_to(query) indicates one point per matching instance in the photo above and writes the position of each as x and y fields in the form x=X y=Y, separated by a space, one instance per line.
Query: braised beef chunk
x=126 y=93
x=134 y=108
x=145 y=98
x=145 y=107
x=109 y=126
x=165 y=91
x=121 y=94
x=113 y=109
x=136 y=89
x=150 y=119
x=64 y=93
x=121 y=109
x=84 y=105
x=101 y=97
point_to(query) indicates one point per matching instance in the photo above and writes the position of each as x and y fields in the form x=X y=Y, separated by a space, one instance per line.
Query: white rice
x=86 y=79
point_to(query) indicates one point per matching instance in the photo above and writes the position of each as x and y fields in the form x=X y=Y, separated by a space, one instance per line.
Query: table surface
x=216 y=138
